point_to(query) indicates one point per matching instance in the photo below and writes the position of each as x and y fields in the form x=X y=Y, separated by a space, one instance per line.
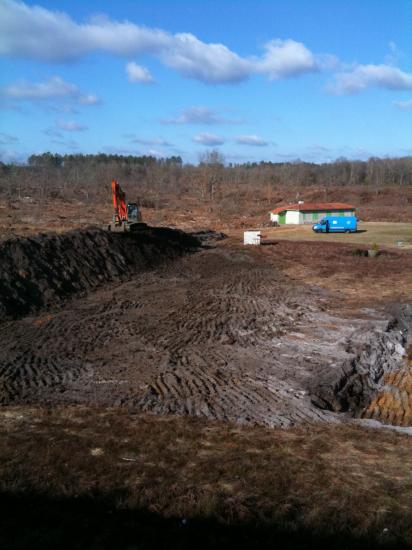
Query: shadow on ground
x=39 y=522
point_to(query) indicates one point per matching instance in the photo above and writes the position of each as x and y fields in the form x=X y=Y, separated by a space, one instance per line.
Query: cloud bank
x=71 y=126
x=53 y=89
x=199 y=115
x=36 y=33
x=365 y=76
x=403 y=105
x=208 y=139
x=251 y=140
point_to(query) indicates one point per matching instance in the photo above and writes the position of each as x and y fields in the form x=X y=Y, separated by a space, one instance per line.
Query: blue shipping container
x=336 y=224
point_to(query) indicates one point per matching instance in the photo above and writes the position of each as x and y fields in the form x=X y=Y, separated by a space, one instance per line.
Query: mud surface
x=44 y=270
x=221 y=334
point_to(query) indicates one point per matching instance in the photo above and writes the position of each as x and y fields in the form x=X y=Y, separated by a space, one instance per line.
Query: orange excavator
x=126 y=216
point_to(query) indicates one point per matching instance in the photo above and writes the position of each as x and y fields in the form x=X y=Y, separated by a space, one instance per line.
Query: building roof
x=309 y=206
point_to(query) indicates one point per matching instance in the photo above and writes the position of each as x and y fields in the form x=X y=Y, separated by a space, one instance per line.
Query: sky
x=276 y=80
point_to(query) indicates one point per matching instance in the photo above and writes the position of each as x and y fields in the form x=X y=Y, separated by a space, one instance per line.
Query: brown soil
x=393 y=405
x=41 y=271
x=222 y=333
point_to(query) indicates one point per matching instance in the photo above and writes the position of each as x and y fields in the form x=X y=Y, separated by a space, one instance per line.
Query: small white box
x=251 y=237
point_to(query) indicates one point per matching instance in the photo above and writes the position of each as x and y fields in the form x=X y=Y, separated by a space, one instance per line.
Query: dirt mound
x=41 y=271
x=372 y=355
x=205 y=235
x=376 y=381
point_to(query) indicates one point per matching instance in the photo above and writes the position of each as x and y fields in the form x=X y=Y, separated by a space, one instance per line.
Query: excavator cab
x=126 y=216
x=133 y=212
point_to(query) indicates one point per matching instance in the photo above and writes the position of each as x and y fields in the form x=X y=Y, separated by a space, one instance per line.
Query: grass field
x=99 y=479
x=369 y=233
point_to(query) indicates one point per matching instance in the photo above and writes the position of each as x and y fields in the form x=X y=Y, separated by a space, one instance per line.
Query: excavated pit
x=221 y=334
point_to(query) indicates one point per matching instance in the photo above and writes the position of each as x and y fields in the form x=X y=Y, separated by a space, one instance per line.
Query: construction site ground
x=154 y=399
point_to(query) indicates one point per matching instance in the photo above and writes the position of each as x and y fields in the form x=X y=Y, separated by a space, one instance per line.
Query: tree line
x=150 y=180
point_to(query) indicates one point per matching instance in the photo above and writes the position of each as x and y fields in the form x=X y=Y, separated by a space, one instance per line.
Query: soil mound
x=206 y=235
x=41 y=271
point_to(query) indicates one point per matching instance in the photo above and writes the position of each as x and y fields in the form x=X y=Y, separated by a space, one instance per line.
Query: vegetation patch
x=198 y=482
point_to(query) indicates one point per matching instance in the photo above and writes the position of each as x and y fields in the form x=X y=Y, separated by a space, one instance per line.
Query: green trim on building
x=314 y=215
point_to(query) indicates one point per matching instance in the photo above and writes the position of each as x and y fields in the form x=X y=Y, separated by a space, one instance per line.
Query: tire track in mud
x=215 y=334
x=25 y=377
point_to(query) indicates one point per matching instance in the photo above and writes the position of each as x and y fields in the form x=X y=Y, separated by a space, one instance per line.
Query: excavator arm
x=119 y=202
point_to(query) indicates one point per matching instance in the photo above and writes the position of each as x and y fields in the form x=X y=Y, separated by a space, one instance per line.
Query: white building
x=301 y=212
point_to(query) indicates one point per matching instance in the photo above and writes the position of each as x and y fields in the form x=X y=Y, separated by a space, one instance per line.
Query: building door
x=282 y=218
x=315 y=216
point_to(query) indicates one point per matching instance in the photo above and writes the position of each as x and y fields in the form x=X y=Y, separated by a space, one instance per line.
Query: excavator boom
x=119 y=202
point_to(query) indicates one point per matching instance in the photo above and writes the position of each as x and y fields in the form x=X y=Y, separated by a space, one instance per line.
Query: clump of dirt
x=372 y=354
x=41 y=271
x=206 y=235
x=375 y=382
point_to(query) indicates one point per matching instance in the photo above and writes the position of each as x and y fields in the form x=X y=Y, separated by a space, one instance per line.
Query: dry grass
x=380 y=233
x=354 y=280
x=324 y=481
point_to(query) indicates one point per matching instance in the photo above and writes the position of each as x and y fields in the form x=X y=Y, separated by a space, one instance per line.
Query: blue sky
x=257 y=80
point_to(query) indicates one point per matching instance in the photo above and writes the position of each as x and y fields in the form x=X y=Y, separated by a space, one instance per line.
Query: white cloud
x=67 y=144
x=403 y=105
x=53 y=132
x=137 y=73
x=113 y=150
x=154 y=141
x=199 y=115
x=251 y=140
x=394 y=55
x=51 y=89
x=10 y=156
x=33 y=32
x=154 y=153
x=89 y=99
x=7 y=139
x=212 y=63
x=285 y=58
x=71 y=126
x=54 y=89
x=362 y=77
x=208 y=139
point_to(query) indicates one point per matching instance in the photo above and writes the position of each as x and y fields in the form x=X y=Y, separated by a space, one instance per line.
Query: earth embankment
x=42 y=271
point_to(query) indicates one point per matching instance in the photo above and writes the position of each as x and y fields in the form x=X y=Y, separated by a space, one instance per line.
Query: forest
x=153 y=182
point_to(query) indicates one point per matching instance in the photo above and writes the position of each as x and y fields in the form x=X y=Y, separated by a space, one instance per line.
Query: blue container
x=336 y=224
